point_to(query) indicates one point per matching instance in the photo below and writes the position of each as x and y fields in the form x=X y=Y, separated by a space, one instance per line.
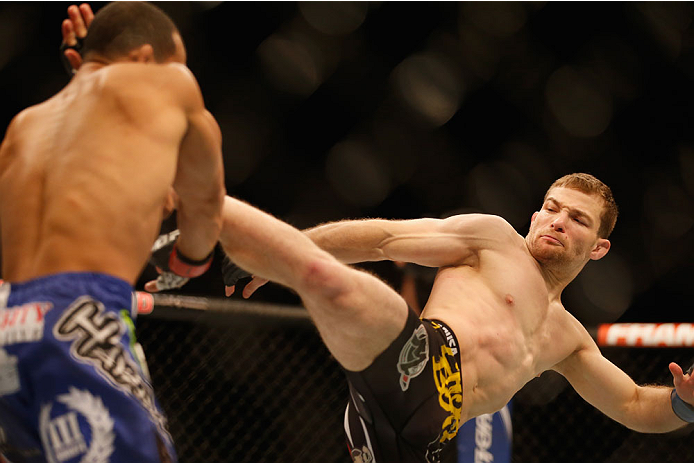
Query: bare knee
x=324 y=277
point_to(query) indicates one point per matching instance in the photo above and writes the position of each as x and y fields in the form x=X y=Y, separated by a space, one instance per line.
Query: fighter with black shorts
x=406 y=406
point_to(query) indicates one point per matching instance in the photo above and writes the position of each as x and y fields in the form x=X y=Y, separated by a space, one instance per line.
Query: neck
x=558 y=274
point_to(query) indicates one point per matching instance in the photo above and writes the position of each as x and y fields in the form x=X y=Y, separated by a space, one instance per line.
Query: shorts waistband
x=447 y=333
x=58 y=279
x=69 y=283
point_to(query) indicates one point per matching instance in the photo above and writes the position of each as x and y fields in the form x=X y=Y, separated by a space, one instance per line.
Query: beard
x=551 y=254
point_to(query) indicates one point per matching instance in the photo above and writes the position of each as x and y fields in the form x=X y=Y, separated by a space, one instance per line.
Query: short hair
x=120 y=27
x=590 y=185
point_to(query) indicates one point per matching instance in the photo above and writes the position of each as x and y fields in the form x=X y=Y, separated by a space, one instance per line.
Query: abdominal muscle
x=502 y=343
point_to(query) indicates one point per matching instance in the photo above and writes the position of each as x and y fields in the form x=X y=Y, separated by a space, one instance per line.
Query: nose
x=558 y=223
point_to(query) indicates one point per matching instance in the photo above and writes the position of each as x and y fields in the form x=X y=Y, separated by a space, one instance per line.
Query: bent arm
x=199 y=179
x=610 y=390
x=427 y=242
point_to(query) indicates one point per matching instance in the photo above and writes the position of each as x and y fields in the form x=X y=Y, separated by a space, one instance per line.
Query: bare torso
x=508 y=327
x=84 y=175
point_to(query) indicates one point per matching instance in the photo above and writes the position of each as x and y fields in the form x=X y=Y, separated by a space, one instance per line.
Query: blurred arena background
x=402 y=110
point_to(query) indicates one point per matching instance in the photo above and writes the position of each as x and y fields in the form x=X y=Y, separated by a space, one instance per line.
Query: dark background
x=404 y=110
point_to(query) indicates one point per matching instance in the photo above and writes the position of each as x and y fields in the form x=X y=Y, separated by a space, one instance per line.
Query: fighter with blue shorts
x=85 y=180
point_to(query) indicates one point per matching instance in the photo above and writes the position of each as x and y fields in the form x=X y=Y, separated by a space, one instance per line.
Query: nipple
x=509 y=299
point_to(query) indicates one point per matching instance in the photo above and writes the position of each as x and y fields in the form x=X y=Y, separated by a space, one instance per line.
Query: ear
x=600 y=249
x=142 y=54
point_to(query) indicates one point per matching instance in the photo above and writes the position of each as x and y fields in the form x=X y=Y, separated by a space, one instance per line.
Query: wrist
x=684 y=410
x=186 y=267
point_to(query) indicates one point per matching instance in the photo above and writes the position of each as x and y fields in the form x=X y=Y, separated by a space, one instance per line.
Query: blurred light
x=499 y=19
x=669 y=210
x=667 y=21
x=578 y=105
x=608 y=284
x=398 y=148
x=290 y=65
x=615 y=64
x=354 y=171
x=478 y=52
x=429 y=86
x=532 y=166
x=502 y=190
x=334 y=18
x=245 y=145
x=208 y=5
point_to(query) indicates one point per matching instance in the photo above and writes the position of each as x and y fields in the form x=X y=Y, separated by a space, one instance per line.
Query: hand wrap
x=232 y=273
x=681 y=408
x=77 y=47
x=175 y=268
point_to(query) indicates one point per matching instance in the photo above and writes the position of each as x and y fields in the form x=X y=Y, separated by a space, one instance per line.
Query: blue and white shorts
x=72 y=389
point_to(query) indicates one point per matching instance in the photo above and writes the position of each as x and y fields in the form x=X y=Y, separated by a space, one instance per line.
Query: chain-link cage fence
x=242 y=389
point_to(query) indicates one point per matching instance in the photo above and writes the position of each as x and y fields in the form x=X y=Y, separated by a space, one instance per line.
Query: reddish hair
x=590 y=185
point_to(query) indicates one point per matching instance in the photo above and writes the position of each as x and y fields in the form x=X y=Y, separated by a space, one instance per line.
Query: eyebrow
x=573 y=211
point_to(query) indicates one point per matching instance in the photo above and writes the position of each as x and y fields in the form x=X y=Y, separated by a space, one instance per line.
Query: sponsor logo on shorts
x=23 y=323
x=9 y=374
x=413 y=356
x=62 y=436
x=362 y=455
x=96 y=340
x=450 y=388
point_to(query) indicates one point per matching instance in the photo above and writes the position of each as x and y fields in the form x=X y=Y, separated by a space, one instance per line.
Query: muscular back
x=84 y=175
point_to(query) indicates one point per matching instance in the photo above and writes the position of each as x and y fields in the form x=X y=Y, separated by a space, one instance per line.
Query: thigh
x=406 y=406
x=357 y=314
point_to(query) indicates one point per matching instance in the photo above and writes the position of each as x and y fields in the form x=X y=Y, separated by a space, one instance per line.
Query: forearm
x=651 y=411
x=200 y=224
x=351 y=241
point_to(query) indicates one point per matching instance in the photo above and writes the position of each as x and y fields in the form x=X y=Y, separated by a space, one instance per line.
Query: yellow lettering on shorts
x=450 y=387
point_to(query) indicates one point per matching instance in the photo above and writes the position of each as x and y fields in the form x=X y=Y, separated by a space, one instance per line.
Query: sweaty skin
x=84 y=176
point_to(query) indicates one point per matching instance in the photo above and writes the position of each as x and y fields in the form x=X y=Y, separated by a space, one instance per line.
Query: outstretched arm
x=428 y=242
x=602 y=384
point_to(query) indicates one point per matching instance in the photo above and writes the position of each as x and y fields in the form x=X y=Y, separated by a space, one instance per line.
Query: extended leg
x=357 y=315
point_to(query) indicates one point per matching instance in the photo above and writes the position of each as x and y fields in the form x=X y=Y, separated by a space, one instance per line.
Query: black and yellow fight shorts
x=405 y=407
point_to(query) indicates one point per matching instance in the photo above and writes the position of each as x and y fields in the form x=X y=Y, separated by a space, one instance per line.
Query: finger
x=677 y=373
x=77 y=22
x=87 y=14
x=151 y=286
x=68 y=33
x=73 y=58
x=229 y=290
x=252 y=286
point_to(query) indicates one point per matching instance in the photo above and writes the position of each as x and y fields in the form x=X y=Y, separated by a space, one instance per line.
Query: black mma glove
x=175 y=269
x=231 y=273
x=77 y=47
